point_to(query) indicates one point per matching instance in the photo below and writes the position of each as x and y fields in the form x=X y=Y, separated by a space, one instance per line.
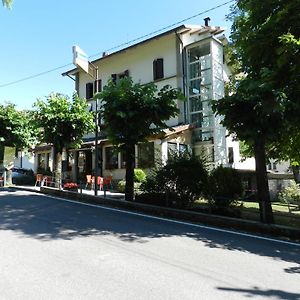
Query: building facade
x=189 y=58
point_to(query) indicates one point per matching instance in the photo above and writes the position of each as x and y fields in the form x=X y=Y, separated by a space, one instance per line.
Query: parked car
x=21 y=176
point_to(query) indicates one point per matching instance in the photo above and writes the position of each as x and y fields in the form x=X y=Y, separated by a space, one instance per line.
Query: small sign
x=80 y=59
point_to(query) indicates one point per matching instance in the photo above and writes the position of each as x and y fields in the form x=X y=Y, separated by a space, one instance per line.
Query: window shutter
x=158 y=68
x=99 y=86
x=114 y=78
x=89 y=90
x=230 y=155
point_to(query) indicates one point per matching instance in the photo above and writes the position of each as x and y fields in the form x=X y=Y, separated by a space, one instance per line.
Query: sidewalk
x=106 y=194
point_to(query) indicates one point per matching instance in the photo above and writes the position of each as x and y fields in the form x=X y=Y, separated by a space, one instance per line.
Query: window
x=146 y=155
x=230 y=155
x=111 y=158
x=158 y=69
x=172 y=148
x=183 y=148
x=89 y=90
x=99 y=82
x=116 y=77
x=41 y=161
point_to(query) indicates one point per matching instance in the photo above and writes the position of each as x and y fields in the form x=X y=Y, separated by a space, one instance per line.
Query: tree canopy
x=7 y=3
x=132 y=112
x=63 y=121
x=264 y=105
x=16 y=127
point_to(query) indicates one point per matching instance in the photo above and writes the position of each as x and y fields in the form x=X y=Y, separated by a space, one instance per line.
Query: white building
x=187 y=57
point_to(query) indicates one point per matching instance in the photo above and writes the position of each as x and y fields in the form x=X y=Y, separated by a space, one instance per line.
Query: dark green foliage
x=225 y=186
x=182 y=180
x=264 y=104
x=139 y=175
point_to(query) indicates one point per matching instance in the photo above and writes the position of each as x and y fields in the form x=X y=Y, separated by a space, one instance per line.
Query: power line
x=118 y=46
x=162 y=29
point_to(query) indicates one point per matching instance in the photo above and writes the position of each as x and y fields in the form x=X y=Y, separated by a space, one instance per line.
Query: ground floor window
x=111 y=158
x=146 y=155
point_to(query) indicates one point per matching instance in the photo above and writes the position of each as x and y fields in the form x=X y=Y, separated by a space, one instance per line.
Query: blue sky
x=37 y=36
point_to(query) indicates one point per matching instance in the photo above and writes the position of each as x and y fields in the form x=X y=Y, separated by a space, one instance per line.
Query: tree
x=63 y=121
x=264 y=105
x=131 y=112
x=7 y=3
x=16 y=129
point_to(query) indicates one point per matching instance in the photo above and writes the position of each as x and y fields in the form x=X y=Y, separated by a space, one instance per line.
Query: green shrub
x=290 y=194
x=139 y=175
x=225 y=186
x=121 y=186
x=184 y=176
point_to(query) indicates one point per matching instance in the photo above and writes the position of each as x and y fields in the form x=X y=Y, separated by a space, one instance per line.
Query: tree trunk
x=296 y=173
x=57 y=168
x=129 y=187
x=266 y=214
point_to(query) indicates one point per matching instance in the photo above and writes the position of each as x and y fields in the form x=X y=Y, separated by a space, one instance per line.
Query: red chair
x=100 y=182
x=108 y=182
x=39 y=179
x=89 y=181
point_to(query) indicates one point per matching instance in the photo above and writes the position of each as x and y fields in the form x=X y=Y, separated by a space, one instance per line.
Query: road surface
x=55 y=249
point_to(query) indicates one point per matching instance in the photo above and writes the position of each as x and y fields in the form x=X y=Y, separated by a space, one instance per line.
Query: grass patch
x=250 y=211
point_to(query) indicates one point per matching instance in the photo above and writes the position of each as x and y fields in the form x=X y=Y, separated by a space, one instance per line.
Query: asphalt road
x=53 y=249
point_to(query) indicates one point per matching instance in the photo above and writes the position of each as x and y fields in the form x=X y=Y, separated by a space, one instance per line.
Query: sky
x=37 y=36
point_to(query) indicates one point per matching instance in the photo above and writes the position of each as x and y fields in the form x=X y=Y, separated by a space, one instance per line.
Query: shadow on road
x=252 y=293
x=47 y=219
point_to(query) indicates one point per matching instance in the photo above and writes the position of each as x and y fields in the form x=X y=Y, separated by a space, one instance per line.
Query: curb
x=282 y=232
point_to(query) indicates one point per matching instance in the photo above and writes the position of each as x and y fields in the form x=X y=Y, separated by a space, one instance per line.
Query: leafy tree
x=7 y=3
x=131 y=112
x=265 y=104
x=16 y=129
x=63 y=121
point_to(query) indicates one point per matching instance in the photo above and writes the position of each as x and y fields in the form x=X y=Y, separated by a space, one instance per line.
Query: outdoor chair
x=39 y=179
x=100 y=182
x=89 y=181
x=108 y=182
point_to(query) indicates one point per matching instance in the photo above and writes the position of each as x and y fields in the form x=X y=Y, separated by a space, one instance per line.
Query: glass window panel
x=146 y=155
x=183 y=148
x=195 y=104
x=206 y=108
x=206 y=77
x=202 y=135
x=218 y=70
x=201 y=50
x=172 y=148
x=195 y=70
x=195 y=87
x=206 y=93
x=207 y=121
x=205 y=62
x=111 y=158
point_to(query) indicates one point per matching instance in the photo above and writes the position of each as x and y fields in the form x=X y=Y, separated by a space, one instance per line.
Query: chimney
x=206 y=20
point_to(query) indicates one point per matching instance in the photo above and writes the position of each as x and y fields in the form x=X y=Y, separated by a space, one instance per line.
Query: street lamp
x=80 y=59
